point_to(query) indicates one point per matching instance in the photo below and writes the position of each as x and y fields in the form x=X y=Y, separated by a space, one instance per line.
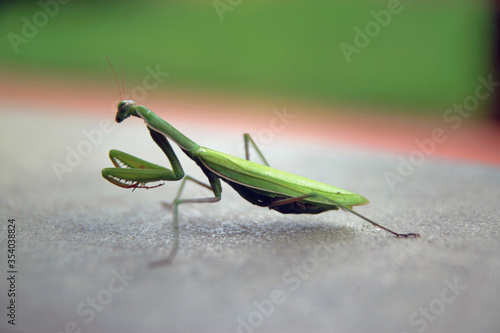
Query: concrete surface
x=84 y=245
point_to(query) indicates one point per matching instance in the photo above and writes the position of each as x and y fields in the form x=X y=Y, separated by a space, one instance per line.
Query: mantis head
x=125 y=109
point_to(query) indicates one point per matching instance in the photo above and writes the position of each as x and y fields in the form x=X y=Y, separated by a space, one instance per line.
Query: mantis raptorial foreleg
x=164 y=145
x=133 y=172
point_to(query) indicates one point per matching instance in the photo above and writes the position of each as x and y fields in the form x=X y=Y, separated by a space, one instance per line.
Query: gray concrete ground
x=84 y=245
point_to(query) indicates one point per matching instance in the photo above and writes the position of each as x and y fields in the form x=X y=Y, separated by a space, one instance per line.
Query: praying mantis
x=257 y=183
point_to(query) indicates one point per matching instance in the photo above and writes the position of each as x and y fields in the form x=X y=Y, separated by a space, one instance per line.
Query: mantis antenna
x=121 y=91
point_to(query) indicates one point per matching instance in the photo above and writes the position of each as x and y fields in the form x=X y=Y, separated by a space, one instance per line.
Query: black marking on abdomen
x=265 y=199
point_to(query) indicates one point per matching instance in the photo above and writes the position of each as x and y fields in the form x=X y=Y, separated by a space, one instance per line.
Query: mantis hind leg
x=345 y=208
x=248 y=139
x=178 y=201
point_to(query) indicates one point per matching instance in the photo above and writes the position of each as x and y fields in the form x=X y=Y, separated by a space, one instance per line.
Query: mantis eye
x=125 y=109
x=121 y=104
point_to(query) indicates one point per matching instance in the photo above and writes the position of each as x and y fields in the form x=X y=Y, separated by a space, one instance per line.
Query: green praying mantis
x=257 y=183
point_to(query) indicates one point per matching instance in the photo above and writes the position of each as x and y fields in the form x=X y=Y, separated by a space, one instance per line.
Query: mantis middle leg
x=248 y=139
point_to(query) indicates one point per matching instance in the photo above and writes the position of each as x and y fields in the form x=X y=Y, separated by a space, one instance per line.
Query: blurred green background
x=427 y=56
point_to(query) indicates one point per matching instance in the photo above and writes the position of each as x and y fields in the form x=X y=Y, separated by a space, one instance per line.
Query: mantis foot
x=415 y=235
x=141 y=185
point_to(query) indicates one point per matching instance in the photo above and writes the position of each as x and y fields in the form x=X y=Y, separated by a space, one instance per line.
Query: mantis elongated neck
x=156 y=123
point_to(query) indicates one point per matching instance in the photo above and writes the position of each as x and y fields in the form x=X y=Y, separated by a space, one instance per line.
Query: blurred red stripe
x=475 y=140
